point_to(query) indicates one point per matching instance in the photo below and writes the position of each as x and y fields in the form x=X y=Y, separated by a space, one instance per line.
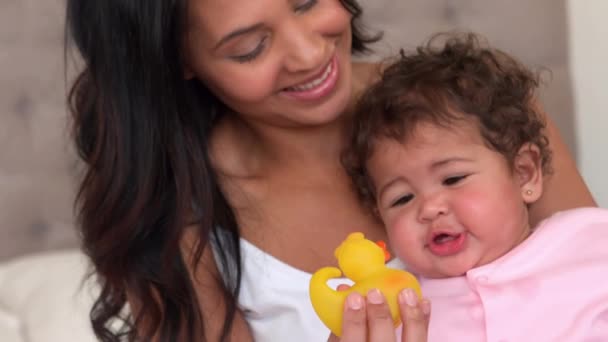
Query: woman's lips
x=319 y=87
x=447 y=245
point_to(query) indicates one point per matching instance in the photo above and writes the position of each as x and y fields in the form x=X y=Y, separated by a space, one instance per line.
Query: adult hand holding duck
x=363 y=261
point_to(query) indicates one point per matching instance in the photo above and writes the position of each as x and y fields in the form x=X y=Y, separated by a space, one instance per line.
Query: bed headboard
x=38 y=167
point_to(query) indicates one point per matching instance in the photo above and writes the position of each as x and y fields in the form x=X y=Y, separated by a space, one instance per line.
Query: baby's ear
x=528 y=170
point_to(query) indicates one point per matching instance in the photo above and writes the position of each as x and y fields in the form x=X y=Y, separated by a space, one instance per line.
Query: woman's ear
x=528 y=170
x=188 y=73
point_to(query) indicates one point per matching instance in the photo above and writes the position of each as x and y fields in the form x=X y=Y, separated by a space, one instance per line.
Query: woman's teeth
x=314 y=83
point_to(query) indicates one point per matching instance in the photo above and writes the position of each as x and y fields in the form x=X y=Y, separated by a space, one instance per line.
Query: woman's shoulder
x=582 y=218
x=365 y=73
x=579 y=230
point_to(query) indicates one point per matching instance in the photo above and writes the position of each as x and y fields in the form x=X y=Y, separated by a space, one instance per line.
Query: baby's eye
x=402 y=200
x=453 y=180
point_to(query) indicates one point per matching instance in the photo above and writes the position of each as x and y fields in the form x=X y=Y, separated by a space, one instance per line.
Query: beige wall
x=36 y=166
x=588 y=30
x=35 y=181
x=534 y=31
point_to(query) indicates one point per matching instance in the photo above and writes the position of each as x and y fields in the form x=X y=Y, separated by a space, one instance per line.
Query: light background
x=37 y=166
x=588 y=31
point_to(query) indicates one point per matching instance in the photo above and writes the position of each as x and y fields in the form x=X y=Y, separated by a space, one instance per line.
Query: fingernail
x=409 y=297
x=354 y=301
x=426 y=307
x=375 y=297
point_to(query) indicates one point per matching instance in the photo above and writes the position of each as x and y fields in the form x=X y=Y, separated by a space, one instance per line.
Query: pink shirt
x=552 y=287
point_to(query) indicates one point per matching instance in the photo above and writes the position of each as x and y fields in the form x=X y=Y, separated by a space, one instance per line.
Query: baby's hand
x=371 y=318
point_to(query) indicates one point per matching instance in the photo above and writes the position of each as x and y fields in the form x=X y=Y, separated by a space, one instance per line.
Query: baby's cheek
x=397 y=228
x=474 y=202
x=404 y=240
x=482 y=210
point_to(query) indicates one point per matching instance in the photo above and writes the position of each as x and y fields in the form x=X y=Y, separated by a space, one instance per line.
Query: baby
x=449 y=150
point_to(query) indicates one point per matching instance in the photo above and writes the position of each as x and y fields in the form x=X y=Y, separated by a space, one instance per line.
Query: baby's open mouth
x=446 y=243
x=442 y=238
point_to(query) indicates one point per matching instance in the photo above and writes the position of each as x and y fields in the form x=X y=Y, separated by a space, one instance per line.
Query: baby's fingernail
x=375 y=297
x=354 y=301
x=409 y=297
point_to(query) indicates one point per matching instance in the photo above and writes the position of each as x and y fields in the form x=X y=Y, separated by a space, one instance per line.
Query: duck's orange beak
x=387 y=255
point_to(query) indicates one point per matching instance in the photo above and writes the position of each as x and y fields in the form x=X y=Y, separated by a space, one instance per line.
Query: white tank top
x=274 y=298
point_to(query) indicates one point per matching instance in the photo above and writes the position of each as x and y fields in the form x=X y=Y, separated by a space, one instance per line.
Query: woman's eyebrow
x=236 y=33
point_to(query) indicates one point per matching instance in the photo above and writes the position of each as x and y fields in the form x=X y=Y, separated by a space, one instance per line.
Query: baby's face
x=449 y=203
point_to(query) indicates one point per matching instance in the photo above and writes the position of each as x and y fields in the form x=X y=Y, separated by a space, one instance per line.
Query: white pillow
x=43 y=298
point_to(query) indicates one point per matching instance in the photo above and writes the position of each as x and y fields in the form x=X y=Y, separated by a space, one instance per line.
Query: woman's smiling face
x=279 y=62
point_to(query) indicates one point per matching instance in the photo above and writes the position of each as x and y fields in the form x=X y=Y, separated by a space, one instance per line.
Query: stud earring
x=529 y=192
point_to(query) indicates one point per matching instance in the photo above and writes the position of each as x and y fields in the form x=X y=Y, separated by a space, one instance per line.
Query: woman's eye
x=305 y=5
x=253 y=54
x=453 y=180
x=402 y=200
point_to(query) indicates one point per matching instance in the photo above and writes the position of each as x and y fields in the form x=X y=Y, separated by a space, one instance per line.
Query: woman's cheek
x=336 y=16
x=251 y=85
x=247 y=82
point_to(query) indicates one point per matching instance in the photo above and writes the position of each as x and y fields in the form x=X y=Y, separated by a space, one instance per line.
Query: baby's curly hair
x=441 y=84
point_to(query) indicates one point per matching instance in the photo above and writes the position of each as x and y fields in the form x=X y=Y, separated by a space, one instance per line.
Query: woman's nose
x=305 y=49
x=432 y=207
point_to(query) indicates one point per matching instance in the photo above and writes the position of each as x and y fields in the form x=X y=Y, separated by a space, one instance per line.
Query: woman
x=211 y=131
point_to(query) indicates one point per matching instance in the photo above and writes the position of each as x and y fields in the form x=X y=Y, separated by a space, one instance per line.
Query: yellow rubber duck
x=362 y=261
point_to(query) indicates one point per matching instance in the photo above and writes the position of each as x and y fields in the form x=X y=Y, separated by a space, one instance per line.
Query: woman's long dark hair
x=142 y=131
